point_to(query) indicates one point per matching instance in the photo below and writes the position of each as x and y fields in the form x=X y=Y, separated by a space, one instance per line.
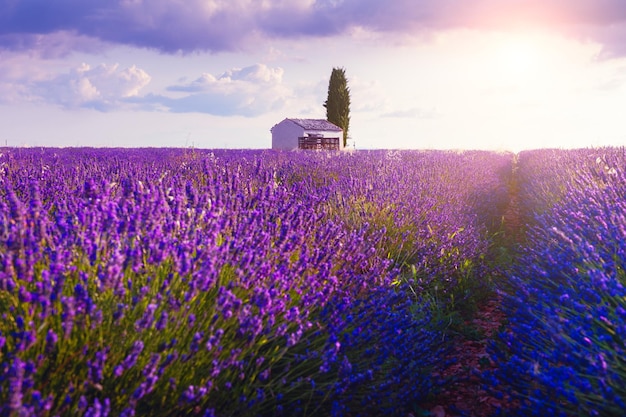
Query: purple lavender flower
x=162 y=323
x=148 y=317
x=96 y=366
x=16 y=379
x=130 y=360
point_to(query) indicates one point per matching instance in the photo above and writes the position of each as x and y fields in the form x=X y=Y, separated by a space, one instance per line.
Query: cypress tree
x=338 y=102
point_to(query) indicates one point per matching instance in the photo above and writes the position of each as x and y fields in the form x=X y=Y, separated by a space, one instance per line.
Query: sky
x=423 y=74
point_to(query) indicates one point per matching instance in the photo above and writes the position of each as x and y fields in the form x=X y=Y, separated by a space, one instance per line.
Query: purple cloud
x=220 y=25
x=50 y=45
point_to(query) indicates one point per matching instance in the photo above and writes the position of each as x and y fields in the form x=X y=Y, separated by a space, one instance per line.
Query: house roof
x=316 y=124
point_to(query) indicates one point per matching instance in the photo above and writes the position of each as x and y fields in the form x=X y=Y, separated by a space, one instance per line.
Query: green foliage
x=338 y=102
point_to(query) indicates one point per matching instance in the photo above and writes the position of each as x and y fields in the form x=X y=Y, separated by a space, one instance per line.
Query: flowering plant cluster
x=563 y=352
x=219 y=283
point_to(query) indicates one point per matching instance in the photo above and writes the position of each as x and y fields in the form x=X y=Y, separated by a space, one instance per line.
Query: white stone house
x=306 y=134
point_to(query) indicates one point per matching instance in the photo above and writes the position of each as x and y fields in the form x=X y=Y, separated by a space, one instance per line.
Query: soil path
x=463 y=395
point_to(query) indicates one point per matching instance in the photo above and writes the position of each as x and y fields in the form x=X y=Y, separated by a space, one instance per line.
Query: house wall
x=285 y=135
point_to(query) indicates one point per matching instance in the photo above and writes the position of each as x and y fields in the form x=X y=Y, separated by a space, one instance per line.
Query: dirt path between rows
x=464 y=394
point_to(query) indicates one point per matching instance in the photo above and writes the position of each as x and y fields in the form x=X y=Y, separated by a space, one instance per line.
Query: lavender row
x=169 y=282
x=563 y=352
x=546 y=173
x=437 y=210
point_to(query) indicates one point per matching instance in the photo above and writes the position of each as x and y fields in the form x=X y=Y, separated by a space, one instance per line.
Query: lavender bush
x=179 y=282
x=562 y=353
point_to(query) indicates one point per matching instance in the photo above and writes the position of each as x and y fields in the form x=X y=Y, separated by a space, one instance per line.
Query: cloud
x=613 y=82
x=234 y=80
x=15 y=72
x=227 y=25
x=50 y=45
x=103 y=87
x=11 y=92
x=248 y=91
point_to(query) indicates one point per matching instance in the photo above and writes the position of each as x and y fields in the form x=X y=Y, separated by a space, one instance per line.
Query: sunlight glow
x=520 y=57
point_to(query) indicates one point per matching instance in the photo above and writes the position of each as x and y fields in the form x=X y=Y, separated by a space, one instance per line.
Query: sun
x=519 y=57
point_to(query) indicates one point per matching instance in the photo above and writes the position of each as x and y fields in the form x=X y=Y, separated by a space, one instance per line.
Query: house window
x=318 y=143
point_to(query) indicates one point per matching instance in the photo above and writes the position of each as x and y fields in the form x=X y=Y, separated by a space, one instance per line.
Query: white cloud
x=103 y=87
x=247 y=91
x=234 y=81
x=17 y=73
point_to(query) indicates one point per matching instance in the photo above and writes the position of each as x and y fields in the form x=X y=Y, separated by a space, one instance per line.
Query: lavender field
x=151 y=282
